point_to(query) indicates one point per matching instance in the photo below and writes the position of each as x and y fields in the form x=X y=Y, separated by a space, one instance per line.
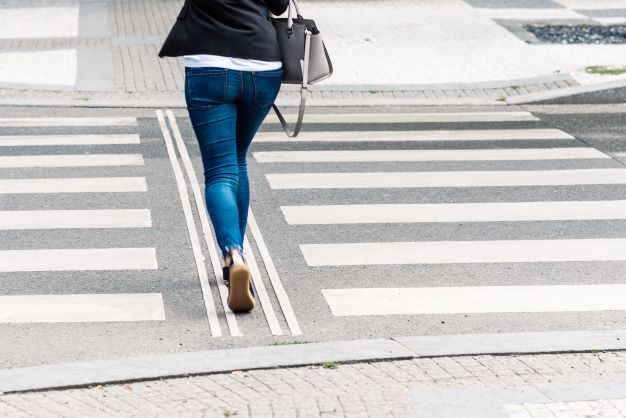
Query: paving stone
x=363 y=389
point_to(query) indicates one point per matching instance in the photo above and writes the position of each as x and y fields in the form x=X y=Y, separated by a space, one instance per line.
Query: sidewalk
x=585 y=385
x=582 y=374
x=396 y=51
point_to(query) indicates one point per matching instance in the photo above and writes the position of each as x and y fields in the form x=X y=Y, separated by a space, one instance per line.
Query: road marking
x=78 y=259
x=447 y=117
x=96 y=218
x=191 y=228
x=530 y=14
x=418 y=136
x=261 y=291
x=595 y=5
x=82 y=308
x=74 y=185
x=85 y=160
x=283 y=300
x=53 y=68
x=455 y=212
x=446 y=179
x=231 y=319
x=456 y=252
x=50 y=140
x=23 y=22
x=277 y=284
x=475 y=299
x=430 y=155
x=610 y=20
x=69 y=122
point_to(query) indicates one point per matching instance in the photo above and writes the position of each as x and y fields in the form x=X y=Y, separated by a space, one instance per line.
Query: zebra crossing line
x=446 y=179
x=74 y=185
x=78 y=259
x=67 y=122
x=426 y=117
x=476 y=299
x=91 y=160
x=455 y=212
x=359 y=301
x=92 y=218
x=419 y=136
x=87 y=307
x=55 y=140
x=430 y=155
x=82 y=308
x=455 y=252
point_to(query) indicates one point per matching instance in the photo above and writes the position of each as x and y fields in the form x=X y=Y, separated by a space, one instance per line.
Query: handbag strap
x=304 y=90
x=292 y=133
x=290 y=13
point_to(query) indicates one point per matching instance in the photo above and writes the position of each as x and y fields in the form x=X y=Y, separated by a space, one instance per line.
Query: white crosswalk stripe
x=446 y=179
x=78 y=259
x=75 y=307
x=443 y=117
x=419 y=136
x=444 y=252
x=455 y=212
x=475 y=299
x=93 y=218
x=67 y=122
x=88 y=160
x=74 y=185
x=591 y=169
x=82 y=308
x=429 y=155
x=55 y=140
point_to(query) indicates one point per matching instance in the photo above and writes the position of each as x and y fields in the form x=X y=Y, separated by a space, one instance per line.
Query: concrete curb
x=87 y=373
x=563 y=92
x=477 y=85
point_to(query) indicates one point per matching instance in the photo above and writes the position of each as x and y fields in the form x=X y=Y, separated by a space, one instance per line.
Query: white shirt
x=240 y=64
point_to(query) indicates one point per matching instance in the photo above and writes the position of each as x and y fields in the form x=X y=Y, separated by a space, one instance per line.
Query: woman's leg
x=214 y=121
x=259 y=93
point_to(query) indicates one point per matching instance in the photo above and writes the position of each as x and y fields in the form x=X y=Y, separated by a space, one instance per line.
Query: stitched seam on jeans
x=255 y=95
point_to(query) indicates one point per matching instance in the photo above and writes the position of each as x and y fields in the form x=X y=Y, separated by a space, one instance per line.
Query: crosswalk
x=60 y=307
x=63 y=192
x=482 y=170
x=305 y=169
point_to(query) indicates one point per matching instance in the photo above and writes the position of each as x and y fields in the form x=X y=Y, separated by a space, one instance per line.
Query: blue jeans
x=226 y=108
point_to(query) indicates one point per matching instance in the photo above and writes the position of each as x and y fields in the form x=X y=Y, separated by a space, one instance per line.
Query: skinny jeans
x=226 y=108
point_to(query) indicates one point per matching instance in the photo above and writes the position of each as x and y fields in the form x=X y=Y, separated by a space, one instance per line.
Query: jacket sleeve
x=277 y=7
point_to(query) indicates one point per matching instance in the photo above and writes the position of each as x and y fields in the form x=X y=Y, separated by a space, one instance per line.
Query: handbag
x=304 y=57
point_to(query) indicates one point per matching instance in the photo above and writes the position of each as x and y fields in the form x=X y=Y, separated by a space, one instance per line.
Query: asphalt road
x=176 y=278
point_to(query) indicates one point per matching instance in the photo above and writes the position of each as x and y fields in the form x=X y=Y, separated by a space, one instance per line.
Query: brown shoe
x=240 y=298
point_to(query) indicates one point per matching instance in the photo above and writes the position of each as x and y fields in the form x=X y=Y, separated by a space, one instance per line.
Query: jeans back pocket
x=206 y=88
x=266 y=86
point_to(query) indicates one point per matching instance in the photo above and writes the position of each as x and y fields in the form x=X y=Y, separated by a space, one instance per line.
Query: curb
x=151 y=367
x=563 y=92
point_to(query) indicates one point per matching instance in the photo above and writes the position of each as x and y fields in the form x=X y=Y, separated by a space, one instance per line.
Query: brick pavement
x=456 y=52
x=374 y=389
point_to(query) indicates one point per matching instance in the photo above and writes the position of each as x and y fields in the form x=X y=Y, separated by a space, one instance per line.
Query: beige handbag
x=304 y=57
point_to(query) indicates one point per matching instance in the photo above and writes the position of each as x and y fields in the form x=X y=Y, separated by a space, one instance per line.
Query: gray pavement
x=186 y=329
x=113 y=55
x=104 y=53
x=529 y=386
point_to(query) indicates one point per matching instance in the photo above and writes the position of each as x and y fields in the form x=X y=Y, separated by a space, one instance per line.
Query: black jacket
x=230 y=28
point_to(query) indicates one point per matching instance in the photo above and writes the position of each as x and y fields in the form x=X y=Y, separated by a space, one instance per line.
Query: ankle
x=236 y=257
